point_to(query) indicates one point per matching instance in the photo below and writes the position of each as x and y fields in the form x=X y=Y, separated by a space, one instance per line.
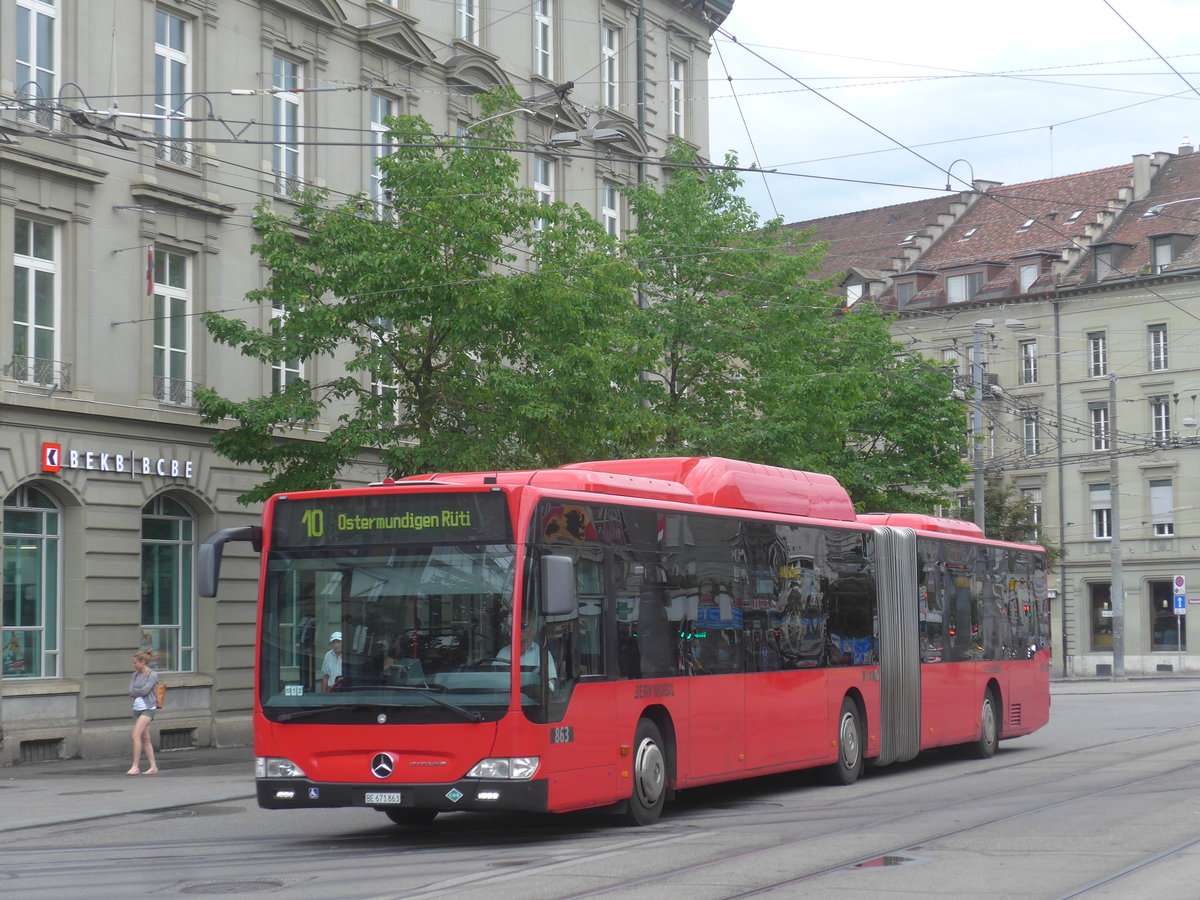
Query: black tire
x=989 y=729
x=649 y=795
x=850 y=748
x=403 y=816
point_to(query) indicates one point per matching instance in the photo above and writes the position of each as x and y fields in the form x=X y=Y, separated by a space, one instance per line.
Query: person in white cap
x=331 y=668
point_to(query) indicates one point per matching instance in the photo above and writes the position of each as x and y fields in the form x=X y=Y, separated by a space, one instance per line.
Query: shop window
x=1167 y=630
x=31 y=594
x=167 y=584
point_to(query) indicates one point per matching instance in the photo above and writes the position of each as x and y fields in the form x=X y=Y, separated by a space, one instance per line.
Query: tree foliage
x=443 y=349
x=470 y=327
x=755 y=360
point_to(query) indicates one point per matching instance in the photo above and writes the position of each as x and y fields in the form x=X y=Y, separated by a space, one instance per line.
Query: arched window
x=30 y=563
x=167 y=594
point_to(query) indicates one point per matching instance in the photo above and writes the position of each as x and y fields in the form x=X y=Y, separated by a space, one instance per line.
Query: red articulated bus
x=607 y=633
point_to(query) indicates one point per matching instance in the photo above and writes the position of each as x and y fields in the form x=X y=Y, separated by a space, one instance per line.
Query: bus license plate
x=387 y=798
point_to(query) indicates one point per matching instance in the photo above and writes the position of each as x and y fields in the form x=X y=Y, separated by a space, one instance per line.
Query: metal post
x=1117 y=588
x=977 y=419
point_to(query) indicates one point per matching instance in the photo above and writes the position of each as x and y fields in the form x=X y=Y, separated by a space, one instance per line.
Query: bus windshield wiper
x=317 y=710
x=429 y=691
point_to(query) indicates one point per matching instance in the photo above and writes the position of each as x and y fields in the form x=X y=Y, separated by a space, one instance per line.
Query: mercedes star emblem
x=382 y=765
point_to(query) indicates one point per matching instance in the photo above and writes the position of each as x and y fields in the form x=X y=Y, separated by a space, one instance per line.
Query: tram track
x=543 y=850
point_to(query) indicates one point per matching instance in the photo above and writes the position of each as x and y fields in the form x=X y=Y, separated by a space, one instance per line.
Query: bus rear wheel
x=849 y=763
x=411 y=816
x=649 y=794
x=985 y=746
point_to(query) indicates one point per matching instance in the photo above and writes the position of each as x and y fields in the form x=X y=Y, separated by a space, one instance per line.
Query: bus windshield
x=379 y=625
x=401 y=631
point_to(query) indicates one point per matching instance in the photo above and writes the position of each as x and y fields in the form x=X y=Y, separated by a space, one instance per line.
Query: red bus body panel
x=722 y=727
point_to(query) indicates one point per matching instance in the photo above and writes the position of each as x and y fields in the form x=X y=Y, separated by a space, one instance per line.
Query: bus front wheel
x=649 y=794
x=849 y=763
x=410 y=816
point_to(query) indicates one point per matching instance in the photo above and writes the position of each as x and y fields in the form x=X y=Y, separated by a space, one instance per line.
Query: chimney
x=1186 y=147
x=1141 y=176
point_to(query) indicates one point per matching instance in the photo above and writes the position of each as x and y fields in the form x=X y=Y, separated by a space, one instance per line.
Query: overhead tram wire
x=746 y=126
x=1153 y=49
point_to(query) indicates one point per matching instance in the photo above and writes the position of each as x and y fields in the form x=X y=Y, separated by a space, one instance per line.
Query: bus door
x=581 y=707
x=711 y=647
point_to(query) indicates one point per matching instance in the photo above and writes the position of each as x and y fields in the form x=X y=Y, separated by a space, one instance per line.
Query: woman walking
x=141 y=689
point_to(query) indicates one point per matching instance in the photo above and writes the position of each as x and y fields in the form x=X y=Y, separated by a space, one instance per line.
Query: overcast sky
x=1020 y=90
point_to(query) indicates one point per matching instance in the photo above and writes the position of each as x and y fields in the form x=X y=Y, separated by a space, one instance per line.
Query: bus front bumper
x=467 y=794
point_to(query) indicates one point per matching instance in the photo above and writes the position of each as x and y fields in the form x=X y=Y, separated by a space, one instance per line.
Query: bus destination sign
x=372 y=519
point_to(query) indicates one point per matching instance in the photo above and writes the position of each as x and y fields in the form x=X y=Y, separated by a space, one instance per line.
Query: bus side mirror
x=558 y=588
x=208 y=558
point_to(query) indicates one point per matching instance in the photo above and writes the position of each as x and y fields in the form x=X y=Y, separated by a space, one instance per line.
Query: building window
x=1032 y=435
x=904 y=293
x=172 y=58
x=466 y=20
x=37 y=51
x=1160 y=419
x=543 y=38
x=1026 y=225
x=1100 y=597
x=383 y=381
x=543 y=185
x=1162 y=505
x=676 y=95
x=1033 y=502
x=1168 y=632
x=167 y=584
x=610 y=72
x=1098 y=414
x=1158 y=347
x=284 y=371
x=1073 y=217
x=1162 y=253
x=969 y=233
x=1103 y=260
x=1028 y=274
x=30 y=561
x=35 y=303
x=1029 y=362
x=962 y=288
x=382 y=108
x=172 y=328
x=1101 y=502
x=287 y=111
x=610 y=210
x=1097 y=354
x=854 y=293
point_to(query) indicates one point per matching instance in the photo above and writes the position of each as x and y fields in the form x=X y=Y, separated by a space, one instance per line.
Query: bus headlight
x=274 y=767
x=513 y=768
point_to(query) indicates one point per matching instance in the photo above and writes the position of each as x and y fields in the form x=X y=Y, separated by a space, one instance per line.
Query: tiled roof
x=1013 y=220
x=873 y=238
x=990 y=236
x=1177 y=185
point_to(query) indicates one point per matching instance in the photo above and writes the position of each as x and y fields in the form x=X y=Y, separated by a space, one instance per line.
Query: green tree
x=449 y=352
x=757 y=361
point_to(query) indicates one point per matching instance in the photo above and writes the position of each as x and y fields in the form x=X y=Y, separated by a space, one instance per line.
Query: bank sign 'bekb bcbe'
x=133 y=464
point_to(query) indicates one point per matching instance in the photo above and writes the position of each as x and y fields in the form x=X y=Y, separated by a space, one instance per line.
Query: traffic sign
x=1178 y=588
x=1180 y=604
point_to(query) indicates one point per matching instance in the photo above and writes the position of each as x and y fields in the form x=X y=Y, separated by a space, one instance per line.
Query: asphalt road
x=1100 y=804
